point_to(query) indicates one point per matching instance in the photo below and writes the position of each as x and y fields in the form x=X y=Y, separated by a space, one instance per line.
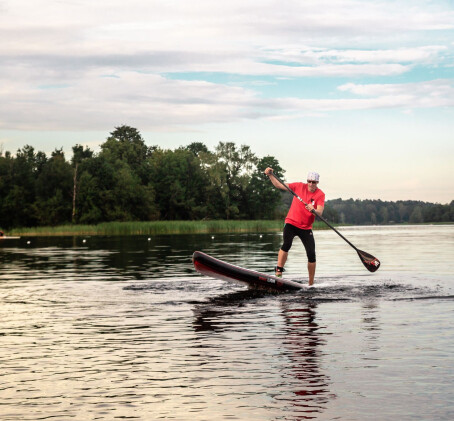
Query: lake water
x=104 y=328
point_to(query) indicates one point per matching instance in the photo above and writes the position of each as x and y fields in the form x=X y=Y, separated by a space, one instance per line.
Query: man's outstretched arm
x=269 y=173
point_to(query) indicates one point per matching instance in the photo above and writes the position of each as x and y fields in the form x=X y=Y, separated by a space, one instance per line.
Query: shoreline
x=173 y=228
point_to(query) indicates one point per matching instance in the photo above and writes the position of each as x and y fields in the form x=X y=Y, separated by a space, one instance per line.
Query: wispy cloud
x=427 y=94
x=148 y=100
x=316 y=56
x=432 y=94
x=153 y=102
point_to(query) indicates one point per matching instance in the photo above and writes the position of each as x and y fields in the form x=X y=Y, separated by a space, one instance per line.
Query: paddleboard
x=210 y=266
x=3 y=237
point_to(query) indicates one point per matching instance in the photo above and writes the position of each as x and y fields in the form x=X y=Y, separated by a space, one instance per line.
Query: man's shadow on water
x=305 y=387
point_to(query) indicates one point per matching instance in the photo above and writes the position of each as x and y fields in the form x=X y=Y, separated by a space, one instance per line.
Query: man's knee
x=286 y=247
x=287 y=244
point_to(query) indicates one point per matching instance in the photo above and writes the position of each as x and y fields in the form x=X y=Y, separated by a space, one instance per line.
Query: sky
x=360 y=91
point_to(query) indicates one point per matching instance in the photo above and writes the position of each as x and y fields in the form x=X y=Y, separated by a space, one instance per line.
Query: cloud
x=79 y=65
x=238 y=25
x=313 y=56
x=427 y=94
x=148 y=100
x=154 y=102
x=71 y=67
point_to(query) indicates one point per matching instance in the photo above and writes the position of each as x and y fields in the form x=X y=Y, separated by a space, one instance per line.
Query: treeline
x=130 y=181
x=366 y=212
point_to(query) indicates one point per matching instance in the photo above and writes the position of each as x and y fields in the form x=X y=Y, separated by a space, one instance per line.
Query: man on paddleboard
x=300 y=218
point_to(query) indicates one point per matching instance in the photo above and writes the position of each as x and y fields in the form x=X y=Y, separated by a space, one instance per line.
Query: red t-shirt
x=298 y=215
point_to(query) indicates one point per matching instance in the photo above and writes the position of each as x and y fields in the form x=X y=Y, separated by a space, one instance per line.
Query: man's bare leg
x=281 y=259
x=311 y=270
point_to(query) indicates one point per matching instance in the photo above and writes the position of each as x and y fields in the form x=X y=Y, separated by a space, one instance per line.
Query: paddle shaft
x=313 y=211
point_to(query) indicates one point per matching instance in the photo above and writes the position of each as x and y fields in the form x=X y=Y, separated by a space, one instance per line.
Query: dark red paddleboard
x=209 y=266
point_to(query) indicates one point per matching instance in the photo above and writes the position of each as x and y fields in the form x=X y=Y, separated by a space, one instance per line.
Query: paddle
x=370 y=262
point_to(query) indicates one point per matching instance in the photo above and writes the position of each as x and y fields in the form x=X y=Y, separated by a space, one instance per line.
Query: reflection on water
x=123 y=327
x=303 y=387
x=305 y=343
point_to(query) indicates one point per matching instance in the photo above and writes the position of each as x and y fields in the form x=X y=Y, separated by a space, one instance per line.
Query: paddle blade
x=370 y=262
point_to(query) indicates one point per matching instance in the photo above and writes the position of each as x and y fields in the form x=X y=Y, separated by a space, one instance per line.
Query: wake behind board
x=209 y=266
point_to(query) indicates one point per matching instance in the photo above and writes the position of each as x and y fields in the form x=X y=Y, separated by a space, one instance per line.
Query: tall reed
x=157 y=227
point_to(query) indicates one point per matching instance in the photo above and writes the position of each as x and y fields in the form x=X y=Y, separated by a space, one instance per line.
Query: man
x=300 y=218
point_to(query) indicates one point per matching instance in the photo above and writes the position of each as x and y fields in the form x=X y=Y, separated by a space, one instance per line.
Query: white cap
x=313 y=176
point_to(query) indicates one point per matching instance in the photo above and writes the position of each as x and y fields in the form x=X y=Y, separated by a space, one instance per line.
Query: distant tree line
x=366 y=212
x=128 y=180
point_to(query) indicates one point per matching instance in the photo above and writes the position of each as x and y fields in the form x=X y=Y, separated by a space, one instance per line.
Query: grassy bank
x=156 y=228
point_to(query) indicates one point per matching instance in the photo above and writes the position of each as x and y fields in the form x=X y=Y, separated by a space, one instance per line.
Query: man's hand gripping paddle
x=370 y=262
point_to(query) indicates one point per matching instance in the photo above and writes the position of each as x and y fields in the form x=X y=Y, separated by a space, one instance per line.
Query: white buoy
x=212 y=237
x=84 y=241
x=28 y=242
x=149 y=239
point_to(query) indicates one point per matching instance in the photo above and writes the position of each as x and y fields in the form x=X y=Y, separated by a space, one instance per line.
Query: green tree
x=416 y=215
x=331 y=214
x=53 y=193
x=216 y=189
x=79 y=154
x=238 y=164
x=403 y=212
x=197 y=147
x=18 y=183
x=262 y=198
x=89 y=204
x=131 y=200
x=180 y=184
x=6 y=163
x=109 y=190
x=384 y=215
x=126 y=144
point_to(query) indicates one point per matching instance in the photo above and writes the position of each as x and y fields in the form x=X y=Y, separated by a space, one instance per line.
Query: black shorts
x=306 y=237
